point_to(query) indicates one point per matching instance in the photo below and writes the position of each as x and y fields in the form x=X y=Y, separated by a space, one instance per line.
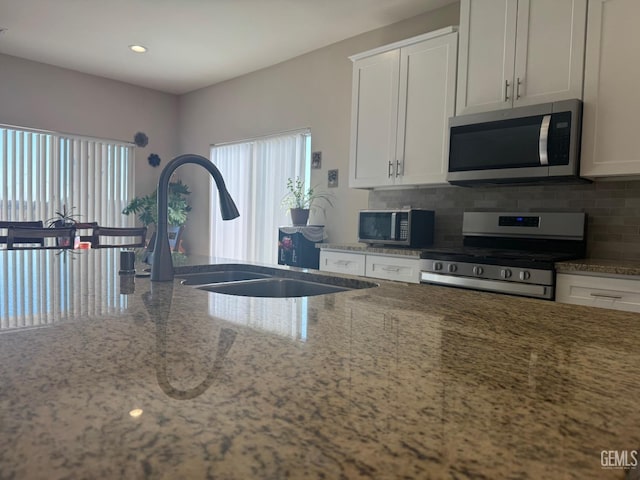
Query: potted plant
x=299 y=201
x=63 y=218
x=146 y=208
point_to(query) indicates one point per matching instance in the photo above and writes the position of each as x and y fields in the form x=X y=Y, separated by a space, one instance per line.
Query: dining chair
x=127 y=236
x=38 y=241
x=23 y=238
x=85 y=230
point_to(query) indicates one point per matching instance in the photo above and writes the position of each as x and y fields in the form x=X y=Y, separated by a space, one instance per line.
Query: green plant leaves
x=146 y=208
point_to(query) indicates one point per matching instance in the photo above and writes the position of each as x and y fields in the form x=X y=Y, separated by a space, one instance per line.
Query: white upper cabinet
x=403 y=95
x=611 y=95
x=519 y=52
x=374 y=119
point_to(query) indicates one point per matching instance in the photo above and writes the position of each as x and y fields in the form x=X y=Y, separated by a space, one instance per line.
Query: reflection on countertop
x=401 y=381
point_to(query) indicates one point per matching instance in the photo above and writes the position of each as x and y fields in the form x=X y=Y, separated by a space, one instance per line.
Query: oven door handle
x=526 y=289
x=543 y=143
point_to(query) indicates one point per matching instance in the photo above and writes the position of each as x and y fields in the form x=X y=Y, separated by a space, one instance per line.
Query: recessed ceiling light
x=138 y=48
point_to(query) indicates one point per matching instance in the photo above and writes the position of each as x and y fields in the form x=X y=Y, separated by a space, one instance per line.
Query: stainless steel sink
x=261 y=281
x=221 y=276
x=274 y=287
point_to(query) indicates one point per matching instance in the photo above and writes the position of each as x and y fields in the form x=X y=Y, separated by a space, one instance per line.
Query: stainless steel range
x=509 y=252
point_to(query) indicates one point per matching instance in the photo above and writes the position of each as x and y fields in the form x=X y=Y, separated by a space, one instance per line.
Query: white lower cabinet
x=341 y=262
x=393 y=268
x=387 y=267
x=599 y=291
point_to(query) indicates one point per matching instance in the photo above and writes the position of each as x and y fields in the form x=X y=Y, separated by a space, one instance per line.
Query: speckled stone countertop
x=584 y=265
x=600 y=266
x=105 y=376
x=364 y=248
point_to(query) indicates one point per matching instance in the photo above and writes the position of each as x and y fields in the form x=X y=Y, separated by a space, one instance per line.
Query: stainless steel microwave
x=409 y=227
x=534 y=144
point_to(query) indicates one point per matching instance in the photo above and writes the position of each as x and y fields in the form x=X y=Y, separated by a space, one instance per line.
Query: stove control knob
x=437 y=266
x=505 y=273
x=478 y=270
x=524 y=275
x=452 y=267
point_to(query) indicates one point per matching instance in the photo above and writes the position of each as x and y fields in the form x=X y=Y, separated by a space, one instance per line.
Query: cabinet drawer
x=339 y=262
x=393 y=268
x=596 y=291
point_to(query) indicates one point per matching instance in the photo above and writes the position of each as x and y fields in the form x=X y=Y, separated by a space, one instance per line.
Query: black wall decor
x=140 y=139
x=154 y=159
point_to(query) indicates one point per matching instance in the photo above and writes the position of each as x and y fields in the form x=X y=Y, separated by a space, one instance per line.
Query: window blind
x=40 y=172
x=256 y=173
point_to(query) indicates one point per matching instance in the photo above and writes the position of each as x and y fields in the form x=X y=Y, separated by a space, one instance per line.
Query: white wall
x=41 y=96
x=313 y=90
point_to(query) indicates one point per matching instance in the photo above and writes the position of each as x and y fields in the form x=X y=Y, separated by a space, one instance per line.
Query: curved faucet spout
x=162 y=265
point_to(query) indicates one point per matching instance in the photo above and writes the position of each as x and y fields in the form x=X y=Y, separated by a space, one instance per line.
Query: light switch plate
x=316 y=160
x=332 y=178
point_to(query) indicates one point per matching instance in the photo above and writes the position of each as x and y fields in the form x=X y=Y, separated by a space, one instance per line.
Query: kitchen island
x=109 y=376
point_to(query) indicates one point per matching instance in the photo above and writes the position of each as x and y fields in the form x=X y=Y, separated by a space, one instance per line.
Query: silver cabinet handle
x=518 y=83
x=544 y=137
x=391 y=269
x=506 y=91
x=343 y=263
x=604 y=295
x=397 y=168
x=390 y=169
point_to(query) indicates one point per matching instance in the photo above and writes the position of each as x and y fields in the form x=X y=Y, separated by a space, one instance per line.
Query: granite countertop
x=108 y=376
x=600 y=266
x=583 y=265
x=364 y=248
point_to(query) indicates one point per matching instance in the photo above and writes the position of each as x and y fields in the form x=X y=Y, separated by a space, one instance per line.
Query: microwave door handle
x=393 y=226
x=544 y=140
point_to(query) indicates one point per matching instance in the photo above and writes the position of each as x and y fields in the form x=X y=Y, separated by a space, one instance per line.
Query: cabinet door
x=339 y=262
x=611 y=95
x=486 y=57
x=374 y=119
x=426 y=101
x=394 y=268
x=613 y=293
x=549 y=61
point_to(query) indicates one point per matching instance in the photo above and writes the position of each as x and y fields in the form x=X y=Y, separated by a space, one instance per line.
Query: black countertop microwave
x=409 y=227
x=534 y=144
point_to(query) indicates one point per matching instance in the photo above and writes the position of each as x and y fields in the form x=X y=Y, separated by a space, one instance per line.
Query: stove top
x=507 y=257
x=508 y=252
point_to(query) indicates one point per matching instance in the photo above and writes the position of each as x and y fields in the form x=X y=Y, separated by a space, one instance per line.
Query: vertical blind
x=256 y=173
x=40 y=172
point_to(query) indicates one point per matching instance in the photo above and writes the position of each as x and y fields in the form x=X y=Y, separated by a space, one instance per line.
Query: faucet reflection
x=162 y=266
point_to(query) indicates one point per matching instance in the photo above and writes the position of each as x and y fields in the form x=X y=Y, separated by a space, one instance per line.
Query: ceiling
x=191 y=43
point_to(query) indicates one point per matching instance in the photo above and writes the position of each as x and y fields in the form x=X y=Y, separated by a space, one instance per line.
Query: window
x=42 y=171
x=256 y=173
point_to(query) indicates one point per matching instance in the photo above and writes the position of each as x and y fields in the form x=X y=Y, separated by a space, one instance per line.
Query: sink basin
x=221 y=276
x=248 y=280
x=274 y=287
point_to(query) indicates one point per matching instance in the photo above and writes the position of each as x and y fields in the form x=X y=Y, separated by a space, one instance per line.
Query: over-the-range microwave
x=409 y=227
x=533 y=144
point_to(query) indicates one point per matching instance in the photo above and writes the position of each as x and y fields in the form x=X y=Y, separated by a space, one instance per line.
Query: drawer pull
x=391 y=269
x=604 y=295
x=343 y=263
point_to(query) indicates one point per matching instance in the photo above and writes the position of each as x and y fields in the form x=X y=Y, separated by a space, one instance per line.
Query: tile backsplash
x=612 y=207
